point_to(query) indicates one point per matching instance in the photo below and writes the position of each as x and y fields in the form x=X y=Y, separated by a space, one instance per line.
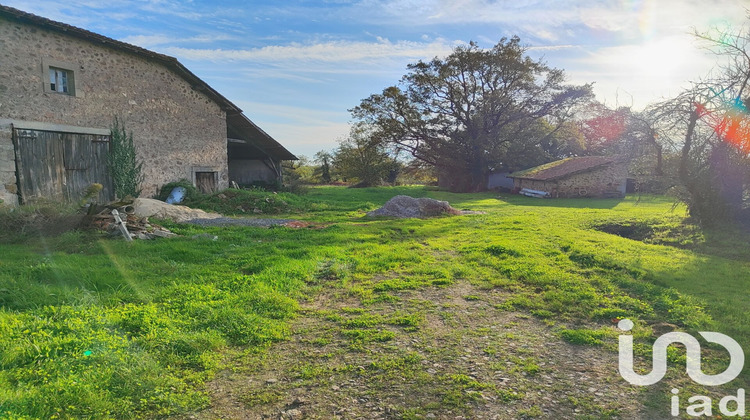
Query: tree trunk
x=683 y=171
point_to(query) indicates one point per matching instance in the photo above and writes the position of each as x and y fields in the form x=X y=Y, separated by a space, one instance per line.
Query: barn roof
x=234 y=113
x=248 y=141
x=565 y=167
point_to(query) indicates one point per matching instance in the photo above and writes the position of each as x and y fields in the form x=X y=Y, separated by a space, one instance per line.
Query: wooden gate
x=60 y=166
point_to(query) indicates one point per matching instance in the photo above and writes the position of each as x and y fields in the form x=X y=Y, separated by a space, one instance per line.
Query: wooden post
x=121 y=225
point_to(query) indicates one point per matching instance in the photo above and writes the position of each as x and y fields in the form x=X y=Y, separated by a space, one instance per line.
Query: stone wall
x=8 y=186
x=175 y=128
x=595 y=183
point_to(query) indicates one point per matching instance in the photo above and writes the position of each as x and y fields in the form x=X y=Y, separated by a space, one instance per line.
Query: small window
x=60 y=77
x=58 y=80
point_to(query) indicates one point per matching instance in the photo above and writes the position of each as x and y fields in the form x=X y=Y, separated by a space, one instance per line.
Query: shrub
x=191 y=193
x=122 y=163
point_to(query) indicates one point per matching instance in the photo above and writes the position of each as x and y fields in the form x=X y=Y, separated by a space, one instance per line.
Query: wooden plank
x=100 y=152
x=56 y=128
x=40 y=166
x=122 y=226
x=85 y=164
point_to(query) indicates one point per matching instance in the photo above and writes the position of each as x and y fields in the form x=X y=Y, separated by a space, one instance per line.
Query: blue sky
x=296 y=67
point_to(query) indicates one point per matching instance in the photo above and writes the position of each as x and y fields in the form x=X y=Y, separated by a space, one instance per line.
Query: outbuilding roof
x=234 y=114
x=565 y=167
x=247 y=137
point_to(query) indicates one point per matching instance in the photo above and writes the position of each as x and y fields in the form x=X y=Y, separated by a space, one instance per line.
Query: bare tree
x=711 y=125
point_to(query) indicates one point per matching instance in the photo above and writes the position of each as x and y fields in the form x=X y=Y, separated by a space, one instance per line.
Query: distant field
x=96 y=327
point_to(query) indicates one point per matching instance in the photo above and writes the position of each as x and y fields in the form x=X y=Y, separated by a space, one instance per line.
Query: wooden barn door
x=60 y=166
x=85 y=162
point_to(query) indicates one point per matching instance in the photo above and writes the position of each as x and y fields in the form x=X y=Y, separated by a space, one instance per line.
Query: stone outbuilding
x=587 y=176
x=61 y=87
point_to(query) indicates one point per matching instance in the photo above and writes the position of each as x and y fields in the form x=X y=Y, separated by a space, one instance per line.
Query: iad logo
x=693 y=364
x=701 y=404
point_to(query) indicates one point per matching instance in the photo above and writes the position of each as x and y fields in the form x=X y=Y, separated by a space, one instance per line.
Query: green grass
x=94 y=327
x=252 y=202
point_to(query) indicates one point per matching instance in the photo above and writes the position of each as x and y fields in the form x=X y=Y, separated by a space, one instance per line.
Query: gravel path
x=230 y=221
x=521 y=366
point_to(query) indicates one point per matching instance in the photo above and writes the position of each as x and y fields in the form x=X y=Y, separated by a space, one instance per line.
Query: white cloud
x=327 y=52
x=151 y=41
x=552 y=20
x=148 y=41
x=552 y=47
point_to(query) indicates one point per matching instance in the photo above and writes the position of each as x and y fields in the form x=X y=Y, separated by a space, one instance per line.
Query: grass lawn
x=99 y=328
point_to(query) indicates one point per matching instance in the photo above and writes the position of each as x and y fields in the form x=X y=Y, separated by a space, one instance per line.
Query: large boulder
x=403 y=206
x=148 y=207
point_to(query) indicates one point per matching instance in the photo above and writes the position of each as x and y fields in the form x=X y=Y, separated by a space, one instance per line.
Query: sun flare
x=660 y=60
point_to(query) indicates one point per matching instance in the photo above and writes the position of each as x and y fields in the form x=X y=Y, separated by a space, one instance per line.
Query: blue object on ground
x=176 y=196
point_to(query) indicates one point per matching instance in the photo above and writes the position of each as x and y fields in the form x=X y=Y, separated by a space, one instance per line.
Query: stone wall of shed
x=175 y=127
x=595 y=183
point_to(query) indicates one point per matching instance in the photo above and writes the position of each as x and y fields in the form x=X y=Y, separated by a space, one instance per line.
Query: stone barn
x=587 y=176
x=61 y=88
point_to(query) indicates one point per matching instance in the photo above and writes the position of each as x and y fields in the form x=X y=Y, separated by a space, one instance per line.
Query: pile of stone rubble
x=121 y=219
x=403 y=206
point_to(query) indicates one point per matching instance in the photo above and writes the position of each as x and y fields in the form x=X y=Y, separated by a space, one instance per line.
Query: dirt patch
x=677 y=235
x=440 y=352
x=638 y=231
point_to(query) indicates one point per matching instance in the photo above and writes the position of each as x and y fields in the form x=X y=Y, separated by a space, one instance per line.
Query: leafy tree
x=604 y=129
x=623 y=132
x=300 y=171
x=364 y=158
x=475 y=111
x=324 y=159
x=122 y=162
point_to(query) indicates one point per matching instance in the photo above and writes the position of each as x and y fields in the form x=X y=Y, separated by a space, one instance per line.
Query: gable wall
x=175 y=128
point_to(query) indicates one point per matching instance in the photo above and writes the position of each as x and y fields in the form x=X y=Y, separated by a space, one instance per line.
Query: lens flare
x=731 y=124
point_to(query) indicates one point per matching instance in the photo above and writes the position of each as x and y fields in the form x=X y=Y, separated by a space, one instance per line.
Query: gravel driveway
x=231 y=221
